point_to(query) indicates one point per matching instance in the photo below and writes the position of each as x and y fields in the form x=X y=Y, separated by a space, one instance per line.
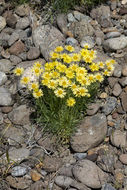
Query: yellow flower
x=67 y=59
x=99 y=77
x=60 y=93
x=91 y=78
x=52 y=84
x=79 y=77
x=37 y=94
x=69 y=74
x=37 y=64
x=34 y=86
x=59 y=49
x=107 y=73
x=48 y=66
x=86 y=46
x=37 y=70
x=54 y=55
x=55 y=74
x=81 y=70
x=87 y=59
x=46 y=75
x=69 y=48
x=25 y=80
x=81 y=91
x=85 y=82
x=73 y=67
x=101 y=65
x=94 y=67
x=45 y=82
x=71 y=102
x=110 y=67
x=61 y=68
x=112 y=61
x=84 y=52
x=18 y=71
x=63 y=82
x=76 y=57
x=73 y=86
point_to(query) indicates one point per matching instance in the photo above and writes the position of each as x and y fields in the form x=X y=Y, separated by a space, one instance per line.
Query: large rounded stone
x=89 y=174
x=5 y=65
x=3 y=78
x=114 y=44
x=47 y=38
x=90 y=133
x=118 y=139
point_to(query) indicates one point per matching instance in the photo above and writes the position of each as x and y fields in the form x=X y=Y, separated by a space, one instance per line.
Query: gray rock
x=117 y=90
x=15 y=59
x=66 y=170
x=13 y=38
x=79 y=16
x=82 y=28
x=3 y=78
x=117 y=71
x=23 y=23
x=22 y=10
x=70 y=17
x=95 y=177
x=123 y=158
x=26 y=64
x=2 y=23
x=14 y=135
x=80 y=156
x=124 y=71
x=107 y=186
x=20 y=115
x=90 y=133
x=89 y=40
x=1 y=118
x=110 y=105
x=123 y=81
x=5 y=65
x=4 y=37
x=62 y=23
x=102 y=15
x=71 y=41
x=23 y=56
x=11 y=19
x=33 y=53
x=18 y=171
x=5 y=97
x=112 y=35
x=114 y=44
x=47 y=38
x=118 y=139
x=92 y=109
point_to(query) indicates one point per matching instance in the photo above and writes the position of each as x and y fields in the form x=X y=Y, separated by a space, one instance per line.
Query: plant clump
x=64 y=86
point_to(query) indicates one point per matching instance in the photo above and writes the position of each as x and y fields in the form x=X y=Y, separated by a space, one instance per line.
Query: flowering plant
x=64 y=86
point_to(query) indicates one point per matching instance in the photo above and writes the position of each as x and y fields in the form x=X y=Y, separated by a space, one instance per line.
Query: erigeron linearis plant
x=64 y=86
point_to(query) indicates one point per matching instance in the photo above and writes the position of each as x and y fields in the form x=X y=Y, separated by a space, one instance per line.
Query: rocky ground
x=97 y=155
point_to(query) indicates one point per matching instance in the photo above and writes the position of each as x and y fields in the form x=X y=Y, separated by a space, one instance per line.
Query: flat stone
x=11 y=19
x=18 y=171
x=118 y=139
x=18 y=183
x=124 y=71
x=5 y=65
x=51 y=164
x=33 y=53
x=5 y=97
x=18 y=155
x=110 y=105
x=14 y=135
x=117 y=90
x=114 y=44
x=20 y=115
x=62 y=23
x=17 y=48
x=3 y=78
x=95 y=177
x=13 y=38
x=112 y=81
x=112 y=35
x=6 y=109
x=47 y=38
x=2 y=23
x=90 y=133
x=70 y=18
x=123 y=158
x=79 y=16
x=71 y=41
x=117 y=71
x=22 y=10
x=15 y=59
x=123 y=81
x=23 y=23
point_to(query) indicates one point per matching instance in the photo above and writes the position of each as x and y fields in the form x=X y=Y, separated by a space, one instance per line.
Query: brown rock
x=17 y=48
x=33 y=53
x=35 y=175
x=6 y=109
x=92 y=109
x=123 y=11
x=123 y=158
x=124 y=71
x=119 y=177
x=11 y=20
x=117 y=90
x=19 y=182
x=62 y=23
x=118 y=139
x=112 y=81
x=123 y=97
x=51 y=164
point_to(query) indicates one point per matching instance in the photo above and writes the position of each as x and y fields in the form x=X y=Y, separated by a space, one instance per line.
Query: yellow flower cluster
x=68 y=74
